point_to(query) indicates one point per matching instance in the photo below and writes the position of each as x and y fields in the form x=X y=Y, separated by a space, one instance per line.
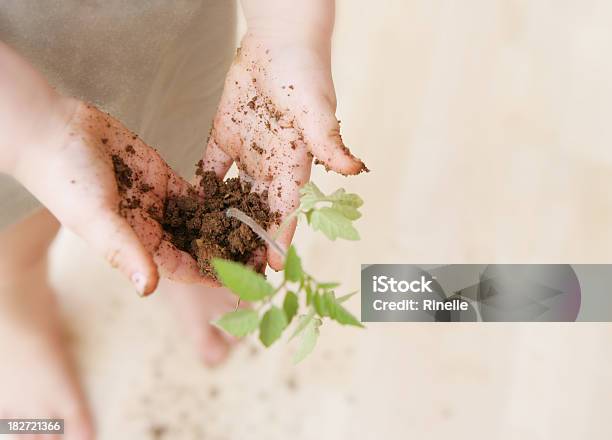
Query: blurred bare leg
x=37 y=377
x=196 y=306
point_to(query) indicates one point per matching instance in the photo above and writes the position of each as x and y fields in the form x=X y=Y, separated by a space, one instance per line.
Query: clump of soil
x=200 y=226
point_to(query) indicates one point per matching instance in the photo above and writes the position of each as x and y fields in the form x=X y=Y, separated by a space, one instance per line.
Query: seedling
x=307 y=302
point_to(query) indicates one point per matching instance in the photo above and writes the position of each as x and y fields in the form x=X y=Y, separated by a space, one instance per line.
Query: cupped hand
x=105 y=184
x=277 y=111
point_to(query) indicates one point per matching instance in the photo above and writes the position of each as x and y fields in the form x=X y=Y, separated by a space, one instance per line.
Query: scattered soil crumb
x=214 y=392
x=145 y=187
x=158 y=432
x=292 y=384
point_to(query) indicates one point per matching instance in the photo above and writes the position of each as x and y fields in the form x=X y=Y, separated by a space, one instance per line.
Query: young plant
x=306 y=301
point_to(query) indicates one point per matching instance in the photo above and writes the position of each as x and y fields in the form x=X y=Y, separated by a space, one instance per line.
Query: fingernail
x=140 y=281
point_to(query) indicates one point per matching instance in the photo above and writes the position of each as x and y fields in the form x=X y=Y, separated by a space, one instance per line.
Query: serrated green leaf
x=333 y=224
x=238 y=323
x=310 y=189
x=349 y=199
x=337 y=194
x=293 y=266
x=244 y=282
x=344 y=203
x=272 y=325
x=310 y=194
x=350 y=212
x=290 y=305
x=308 y=341
x=304 y=320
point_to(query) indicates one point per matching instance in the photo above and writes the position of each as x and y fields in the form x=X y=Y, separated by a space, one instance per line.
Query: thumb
x=283 y=198
x=321 y=132
x=111 y=235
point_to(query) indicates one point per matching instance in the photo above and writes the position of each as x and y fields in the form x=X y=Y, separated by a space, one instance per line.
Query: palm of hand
x=277 y=112
x=109 y=187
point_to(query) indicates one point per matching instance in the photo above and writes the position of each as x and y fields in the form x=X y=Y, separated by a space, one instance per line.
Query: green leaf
x=344 y=317
x=310 y=194
x=308 y=290
x=290 y=305
x=346 y=297
x=238 y=323
x=272 y=325
x=333 y=224
x=344 y=198
x=244 y=282
x=327 y=286
x=308 y=340
x=345 y=204
x=304 y=320
x=321 y=305
x=293 y=266
x=350 y=212
x=337 y=312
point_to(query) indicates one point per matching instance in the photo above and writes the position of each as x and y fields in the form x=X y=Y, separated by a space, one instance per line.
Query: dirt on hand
x=199 y=226
x=197 y=222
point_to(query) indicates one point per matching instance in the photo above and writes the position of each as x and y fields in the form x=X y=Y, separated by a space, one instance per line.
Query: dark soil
x=197 y=224
x=123 y=173
x=200 y=226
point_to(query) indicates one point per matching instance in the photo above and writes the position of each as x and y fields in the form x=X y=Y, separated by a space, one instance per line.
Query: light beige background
x=486 y=126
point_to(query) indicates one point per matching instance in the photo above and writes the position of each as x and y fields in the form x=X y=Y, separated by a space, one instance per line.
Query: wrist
x=294 y=52
x=307 y=23
x=284 y=35
x=31 y=112
x=44 y=127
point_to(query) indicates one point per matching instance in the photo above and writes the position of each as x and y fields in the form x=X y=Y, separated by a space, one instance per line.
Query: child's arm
x=278 y=105
x=67 y=154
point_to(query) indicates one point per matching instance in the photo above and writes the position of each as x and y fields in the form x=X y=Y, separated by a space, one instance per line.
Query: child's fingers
x=215 y=159
x=177 y=265
x=172 y=263
x=321 y=132
x=284 y=198
x=112 y=236
x=258 y=260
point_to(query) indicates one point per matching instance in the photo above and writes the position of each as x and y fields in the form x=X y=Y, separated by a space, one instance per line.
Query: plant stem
x=244 y=218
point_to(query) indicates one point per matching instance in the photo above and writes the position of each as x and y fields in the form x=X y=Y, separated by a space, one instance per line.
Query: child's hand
x=276 y=112
x=105 y=184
